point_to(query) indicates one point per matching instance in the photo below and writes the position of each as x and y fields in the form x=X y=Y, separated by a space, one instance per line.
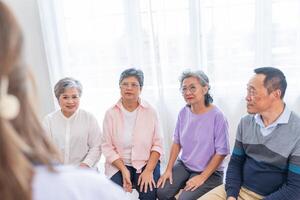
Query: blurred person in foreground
x=29 y=168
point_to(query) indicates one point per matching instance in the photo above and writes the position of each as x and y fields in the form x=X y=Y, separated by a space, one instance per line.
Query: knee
x=163 y=194
x=185 y=196
x=149 y=195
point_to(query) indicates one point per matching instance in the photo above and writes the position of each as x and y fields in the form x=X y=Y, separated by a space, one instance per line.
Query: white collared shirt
x=77 y=137
x=282 y=119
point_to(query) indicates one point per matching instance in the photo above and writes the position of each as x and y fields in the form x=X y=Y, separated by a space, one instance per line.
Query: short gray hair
x=65 y=83
x=203 y=80
x=137 y=73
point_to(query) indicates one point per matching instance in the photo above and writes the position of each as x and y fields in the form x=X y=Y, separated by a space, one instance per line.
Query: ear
x=277 y=93
x=205 y=89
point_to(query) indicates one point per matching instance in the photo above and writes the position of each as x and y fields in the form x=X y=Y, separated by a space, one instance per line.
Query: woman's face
x=69 y=101
x=130 y=89
x=192 y=91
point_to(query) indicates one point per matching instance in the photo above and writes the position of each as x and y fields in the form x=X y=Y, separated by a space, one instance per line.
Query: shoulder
x=72 y=183
x=293 y=126
x=114 y=108
x=247 y=120
x=147 y=107
x=145 y=104
x=184 y=113
x=52 y=116
x=86 y=114
x=294 y=119
x=112 y=112
x=218 y=113
x=185 y=110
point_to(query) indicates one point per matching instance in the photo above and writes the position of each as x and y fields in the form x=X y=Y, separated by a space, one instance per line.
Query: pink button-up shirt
x=146 y=136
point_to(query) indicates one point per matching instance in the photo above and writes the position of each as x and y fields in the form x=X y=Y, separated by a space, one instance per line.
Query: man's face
x=258 y=99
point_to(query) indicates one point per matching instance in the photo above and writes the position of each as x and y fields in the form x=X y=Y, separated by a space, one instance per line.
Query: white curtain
x=94 y=40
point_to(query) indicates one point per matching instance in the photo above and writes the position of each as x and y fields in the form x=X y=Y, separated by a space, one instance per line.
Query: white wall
x=27 y=14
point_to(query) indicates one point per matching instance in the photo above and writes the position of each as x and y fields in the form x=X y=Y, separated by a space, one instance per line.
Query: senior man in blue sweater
x=265 y=162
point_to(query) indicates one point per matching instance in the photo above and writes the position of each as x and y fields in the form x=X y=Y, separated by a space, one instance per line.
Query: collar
x=141 y=102
x=282 y=119
x=68 y=118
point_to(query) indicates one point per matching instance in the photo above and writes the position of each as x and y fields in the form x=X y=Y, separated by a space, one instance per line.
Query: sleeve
x=176 y=136
x=108 y=149
x=234 y=175
x=157 y=141
x=221 y=136
x=94 y=143
x=291 y=189
x=46 y=126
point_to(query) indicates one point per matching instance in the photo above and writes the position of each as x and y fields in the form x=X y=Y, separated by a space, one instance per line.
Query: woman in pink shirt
x=132 y=144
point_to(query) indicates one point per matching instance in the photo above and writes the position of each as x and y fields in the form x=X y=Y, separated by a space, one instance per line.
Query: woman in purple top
x=201 y=138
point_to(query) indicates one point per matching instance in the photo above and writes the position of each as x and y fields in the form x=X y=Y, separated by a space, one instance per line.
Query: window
x=94 y=41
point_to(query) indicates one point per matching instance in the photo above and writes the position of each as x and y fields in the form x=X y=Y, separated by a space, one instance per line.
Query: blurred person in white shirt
x=29 y=168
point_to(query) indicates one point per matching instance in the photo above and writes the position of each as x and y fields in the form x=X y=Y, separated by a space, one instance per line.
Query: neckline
x=129 y=112
x=202 y=114
x=68 y=118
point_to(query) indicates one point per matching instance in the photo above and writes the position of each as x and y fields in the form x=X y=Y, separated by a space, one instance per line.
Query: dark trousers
x=181 y=174
x=149 y=195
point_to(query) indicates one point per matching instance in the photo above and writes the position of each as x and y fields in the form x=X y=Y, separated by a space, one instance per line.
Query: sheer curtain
x=94 y=40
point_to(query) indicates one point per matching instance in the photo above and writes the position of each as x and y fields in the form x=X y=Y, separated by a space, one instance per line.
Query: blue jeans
x=149 y=195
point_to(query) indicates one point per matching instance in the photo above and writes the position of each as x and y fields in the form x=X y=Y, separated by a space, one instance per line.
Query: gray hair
x=203 y=80
x=65 y=83
x=137 y=73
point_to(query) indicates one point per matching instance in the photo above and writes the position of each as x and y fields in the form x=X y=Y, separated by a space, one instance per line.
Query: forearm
x=175 y=149
x=234 y=176
x=93 y=156
x=119 y=164
x=212 y=165
x=152 y=162
x=289 y=191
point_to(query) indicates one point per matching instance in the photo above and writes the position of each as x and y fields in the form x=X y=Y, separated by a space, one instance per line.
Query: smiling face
x=69 y=101
x=258 y=99
x=130 y=89
x=192 y=91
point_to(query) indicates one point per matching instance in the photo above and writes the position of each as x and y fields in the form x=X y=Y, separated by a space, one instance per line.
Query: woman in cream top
x=74 y=131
